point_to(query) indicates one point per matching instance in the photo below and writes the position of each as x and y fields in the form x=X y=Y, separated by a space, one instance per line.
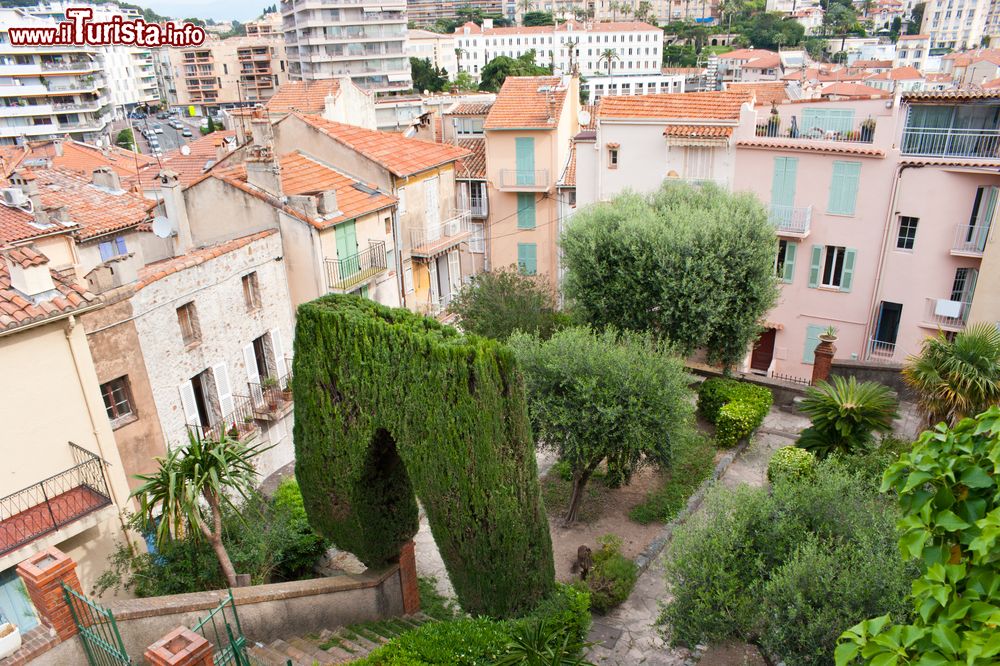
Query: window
x=527 y=258
x=401 y=206
x=251 y=291
x=907 y=233
x=525 y=210
x=612 y=158
x=832 y=266
x=964 y=285
x=784 y=263
x=469 y=126
x=117 y=400
x=844 y=188
x=390 y=260
x=112 y=248
x=478 y=241
x=187 y=318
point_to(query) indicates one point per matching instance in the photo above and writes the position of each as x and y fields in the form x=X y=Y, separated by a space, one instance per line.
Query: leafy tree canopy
x=538 y=18
x=692 y=264
x=426 y=76
x=496 y=304
x=497 y=70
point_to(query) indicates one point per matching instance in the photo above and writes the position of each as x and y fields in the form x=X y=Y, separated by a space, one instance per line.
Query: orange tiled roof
x=902 y=37
x=995 y=83
x=84 y=158
x=303 y=96
x=27 y=256
x=471 y=109
x=766 y=92
x=17 y=310
x=746 y=54
x=473 y=166
x=151 y=273
x=97 y=211
x=937 y=77
x=932 y=95
x=724 y=105
x=16 y=225
x=824 y=147
x=402 y=156
x=203 y=154
x=698 y=131
x=10 y=157
x=872 y=64
x=591 y=110
x=845 y=89
x=527 y=102
x=569 y=173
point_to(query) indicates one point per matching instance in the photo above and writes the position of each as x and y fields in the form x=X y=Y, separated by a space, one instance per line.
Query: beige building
x=956 y=26
x=229 y=72
x=529 y=133
x=436 y=47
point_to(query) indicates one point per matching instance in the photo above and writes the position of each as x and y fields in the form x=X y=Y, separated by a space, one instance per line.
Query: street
x=169 y=140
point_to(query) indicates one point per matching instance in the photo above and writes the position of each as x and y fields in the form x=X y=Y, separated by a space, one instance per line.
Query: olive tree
x=692 y=264
x=594 y=397
x=496 y=304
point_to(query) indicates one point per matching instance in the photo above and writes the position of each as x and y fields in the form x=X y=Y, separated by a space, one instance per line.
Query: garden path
x=629 y=634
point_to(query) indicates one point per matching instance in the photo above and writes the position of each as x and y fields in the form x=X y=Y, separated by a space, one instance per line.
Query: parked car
x=187 y=132
x=158 y=130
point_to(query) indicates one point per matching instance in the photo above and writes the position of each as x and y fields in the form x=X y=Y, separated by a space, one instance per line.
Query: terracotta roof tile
x=16 y=225
x=813 y=147
x=723 y=105
x=527 y=102
x=933 y=95
x=84 y=157
x=872 y=64
x=845 y=89
x=471 y=109
x=746 y=54
x=766 y=92
x=10 y=157
x=402 y=156
x=303 y=96
x=96 y=210
x=27 y=256
x=151 y=273
x=568 y=178
x=203 y=154
x=473 y=166
x=17 y=310
x=590 y=110
x=697 y=131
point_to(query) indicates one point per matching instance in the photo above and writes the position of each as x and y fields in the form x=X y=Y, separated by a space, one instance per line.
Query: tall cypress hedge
x=390 y=405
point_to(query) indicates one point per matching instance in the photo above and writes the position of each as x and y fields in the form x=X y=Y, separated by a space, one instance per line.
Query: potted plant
x=234 y=432
x=867 y=129
x=270 y=388
x=10 y=638
x=773 y=123
x=829 y=335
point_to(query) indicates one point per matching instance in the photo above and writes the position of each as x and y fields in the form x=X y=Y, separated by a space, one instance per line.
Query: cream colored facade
x=956 y=25
x=434 y=46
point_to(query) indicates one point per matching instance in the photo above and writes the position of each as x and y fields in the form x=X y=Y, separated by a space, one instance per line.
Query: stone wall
x=885 y=373
x=784 y=392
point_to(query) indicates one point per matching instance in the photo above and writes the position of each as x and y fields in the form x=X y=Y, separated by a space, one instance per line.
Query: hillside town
x=502 y=332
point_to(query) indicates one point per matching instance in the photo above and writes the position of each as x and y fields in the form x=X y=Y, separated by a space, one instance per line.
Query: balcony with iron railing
x=435 y=239
x=347 y=274
x=53 y=503
x=272 y=396
x=793 y=221
x=803 y=129
x=946 y=314
x=970 y=240
x=435 y=307
x=879 y=351
x=238 y=423
x=951 y=142
x=523 y=180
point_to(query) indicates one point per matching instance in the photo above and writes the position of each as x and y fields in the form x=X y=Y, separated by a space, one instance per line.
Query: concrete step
x=311 y=649
x=299 y=657
x=266 y=655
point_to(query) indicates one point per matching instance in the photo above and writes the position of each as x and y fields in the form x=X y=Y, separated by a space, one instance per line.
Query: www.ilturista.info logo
x=79 y=30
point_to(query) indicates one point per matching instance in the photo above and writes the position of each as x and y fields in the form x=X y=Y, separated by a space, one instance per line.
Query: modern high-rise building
x=956 y=24
x=426 y=12
x=332 y=38
x=47 y=92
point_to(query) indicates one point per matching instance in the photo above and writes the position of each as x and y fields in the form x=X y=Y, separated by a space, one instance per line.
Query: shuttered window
x=527 y=258
x=844 y=188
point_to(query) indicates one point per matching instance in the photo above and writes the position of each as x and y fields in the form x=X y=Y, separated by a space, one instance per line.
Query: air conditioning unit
x=13 y=197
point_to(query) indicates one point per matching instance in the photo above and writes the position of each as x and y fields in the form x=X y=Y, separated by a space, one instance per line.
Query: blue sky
x=220 y=10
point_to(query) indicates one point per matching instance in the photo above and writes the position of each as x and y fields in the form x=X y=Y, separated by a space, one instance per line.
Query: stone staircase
x=341 y=646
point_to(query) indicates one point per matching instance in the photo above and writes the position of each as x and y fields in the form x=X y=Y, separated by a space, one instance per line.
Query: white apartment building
x=956 y=24
x=912 y=51
x=330 y=38
x=615 y=58
x=47 y=92
x=433 y=46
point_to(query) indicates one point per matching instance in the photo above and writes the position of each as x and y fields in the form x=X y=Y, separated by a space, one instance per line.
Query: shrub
x=693 y=460
x=781 y=569
x=497 y=303
x=569 y=608
x=736 y=408
x=612 y=576
x=845 y=414
x=297 y=554
x=792 y=463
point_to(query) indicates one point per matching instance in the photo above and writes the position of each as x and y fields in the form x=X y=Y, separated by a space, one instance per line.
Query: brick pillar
x=42 y=574
x=181 y=647
x=823 y=361
x=408 y=578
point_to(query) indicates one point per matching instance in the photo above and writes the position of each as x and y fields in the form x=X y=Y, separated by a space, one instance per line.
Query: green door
x=525 y=154
x=783 y=181
x=347 y=249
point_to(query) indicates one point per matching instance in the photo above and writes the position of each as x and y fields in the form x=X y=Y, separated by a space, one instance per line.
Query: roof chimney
x=29 y=274
x=106 y=178
x=175 y=209
x=263 y=170
x=57 y=147
x=326 y=203
x=306 y=204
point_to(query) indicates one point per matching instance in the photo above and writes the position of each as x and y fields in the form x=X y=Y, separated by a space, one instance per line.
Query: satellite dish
x=162 y=227
x=185 y=149
x=584 y=117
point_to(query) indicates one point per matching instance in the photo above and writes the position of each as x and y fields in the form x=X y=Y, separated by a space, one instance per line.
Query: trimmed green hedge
x=792 y=463
x=389 y=405
x=482 y=641
x=736 y=408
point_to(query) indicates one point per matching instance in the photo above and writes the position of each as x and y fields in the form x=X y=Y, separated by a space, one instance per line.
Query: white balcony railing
x=791 y=220
x=946 y=313
x=982 y=143
x=438 y=237
x=970 y=239
x=879 y=351
x=522 y=179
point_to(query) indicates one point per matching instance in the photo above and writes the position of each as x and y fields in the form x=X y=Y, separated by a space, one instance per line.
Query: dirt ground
x=732 y=654
x=605 y=511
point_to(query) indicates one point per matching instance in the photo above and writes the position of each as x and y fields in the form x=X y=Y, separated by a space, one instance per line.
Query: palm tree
x=608 y=56
x=845 y=414
x=959 y=378
x=525 y=7
x=206 y=470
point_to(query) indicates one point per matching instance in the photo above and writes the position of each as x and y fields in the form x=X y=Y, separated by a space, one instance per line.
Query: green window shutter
x=814 y=265
x=524 y=151
x=815 y=121
x=527 y=258
x=525 y=210
x=848 y=277
x=783 y=181
x=347 y=239
x=364 y=291
x=789 y=271
x=812 y=340
x=844 y=188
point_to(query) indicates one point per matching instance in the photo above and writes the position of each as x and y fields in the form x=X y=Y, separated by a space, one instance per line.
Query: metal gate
x=221 y=628
x=98 y=631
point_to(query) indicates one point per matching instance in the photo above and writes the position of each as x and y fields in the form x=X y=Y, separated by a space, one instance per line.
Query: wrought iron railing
x=793 y=220
x=53 y=502
x=238 y=423
x=971 y=239
x=791 y=378
x=524 y=178
x=347 y=273
x=271 y=394
x=796 y=128
x=947 y=313
x=951 y=142
x=879 y=351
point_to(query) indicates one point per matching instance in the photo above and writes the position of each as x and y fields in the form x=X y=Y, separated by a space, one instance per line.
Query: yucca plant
x=205 y=470
x=845 y=415
x=959 y=378
x=542 y=644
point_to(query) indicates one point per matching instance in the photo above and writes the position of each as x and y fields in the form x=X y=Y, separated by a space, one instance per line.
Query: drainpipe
x=398 y=248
